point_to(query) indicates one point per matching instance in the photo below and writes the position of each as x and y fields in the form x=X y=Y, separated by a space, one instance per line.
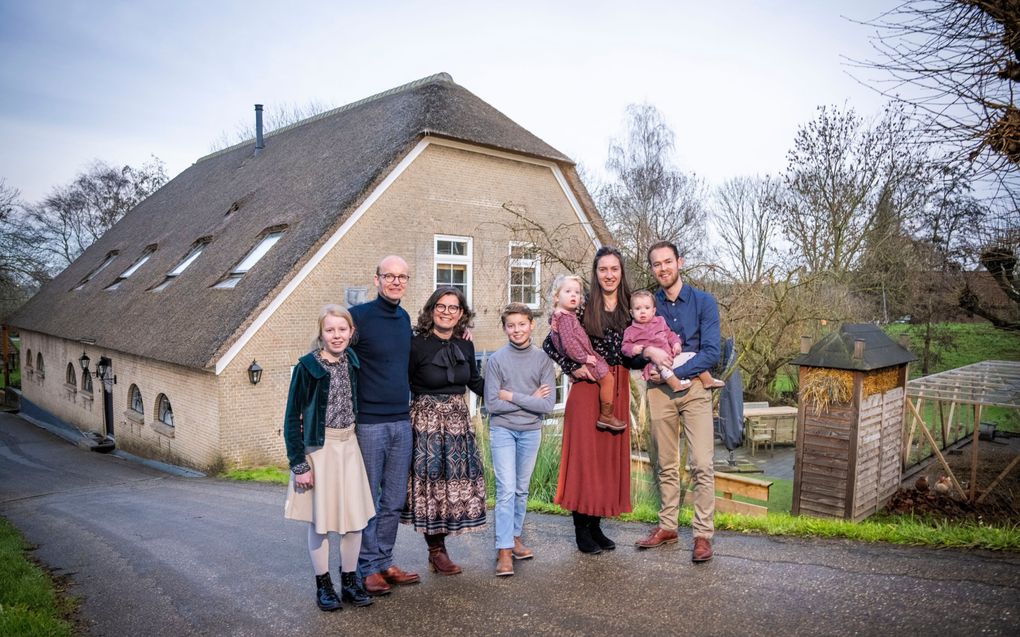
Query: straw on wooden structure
x=823 y=387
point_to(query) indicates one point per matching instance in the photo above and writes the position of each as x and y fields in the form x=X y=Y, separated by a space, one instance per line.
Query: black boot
x=595 y=526
x=325 y=594
x=582 y=534
x=352 y=591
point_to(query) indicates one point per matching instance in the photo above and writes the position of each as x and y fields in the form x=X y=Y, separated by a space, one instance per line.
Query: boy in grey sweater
x=519 y=383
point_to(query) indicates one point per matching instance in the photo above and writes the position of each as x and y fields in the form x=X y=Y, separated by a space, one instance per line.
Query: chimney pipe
x=858 y=348
x=805 y=344
x=259 y=142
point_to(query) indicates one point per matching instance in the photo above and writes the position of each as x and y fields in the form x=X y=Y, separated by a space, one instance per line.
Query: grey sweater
x=520 y=371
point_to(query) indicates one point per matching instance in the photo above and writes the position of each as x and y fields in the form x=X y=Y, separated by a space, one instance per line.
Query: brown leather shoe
x=394 y=575
x=702 y=550
x=441 y=562
x=505 y=563
x=521 y=552
x=607 y=420
x=658 y=537
x=376 y=585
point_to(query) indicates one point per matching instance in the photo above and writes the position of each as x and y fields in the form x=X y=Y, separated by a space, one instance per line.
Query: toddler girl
x=650 y=330
x=328 y=487
x=571 y=341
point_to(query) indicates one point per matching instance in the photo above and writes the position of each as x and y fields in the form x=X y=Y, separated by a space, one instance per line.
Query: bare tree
x=958 y=63
x=747 y=221
x=274 y=118
x=72 y=217
x=21 y=270
x=647 y=198
x=850 y=184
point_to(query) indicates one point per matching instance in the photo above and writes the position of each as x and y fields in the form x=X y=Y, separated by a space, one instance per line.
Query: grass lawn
x=29 y=605
x=15 y=379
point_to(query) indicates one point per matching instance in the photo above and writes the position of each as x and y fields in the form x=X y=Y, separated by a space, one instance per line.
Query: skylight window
x=249 y=261
x=134 y=268
x=188 y=259
x=110 y=256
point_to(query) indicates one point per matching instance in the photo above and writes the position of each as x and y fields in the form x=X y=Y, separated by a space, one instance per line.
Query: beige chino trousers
x=693 y=411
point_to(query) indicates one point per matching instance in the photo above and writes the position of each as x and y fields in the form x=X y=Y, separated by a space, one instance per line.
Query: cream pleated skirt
x=340 y=500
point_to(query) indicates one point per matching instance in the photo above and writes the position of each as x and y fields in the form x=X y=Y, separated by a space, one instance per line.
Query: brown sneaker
x=395 y=575
x=702 y=550
x=376 y=585
x=716 y=384
x=521 y=552
x=505 y=563
x=658 y=537
x=441 y=562
x=607 y=420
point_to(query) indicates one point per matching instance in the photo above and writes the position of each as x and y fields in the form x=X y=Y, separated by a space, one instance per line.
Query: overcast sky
x=120 y=81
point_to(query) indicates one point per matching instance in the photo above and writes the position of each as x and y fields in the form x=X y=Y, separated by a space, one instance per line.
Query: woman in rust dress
x=594 y=479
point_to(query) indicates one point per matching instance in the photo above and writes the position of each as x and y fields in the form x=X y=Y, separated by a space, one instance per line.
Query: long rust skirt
x=595 y=464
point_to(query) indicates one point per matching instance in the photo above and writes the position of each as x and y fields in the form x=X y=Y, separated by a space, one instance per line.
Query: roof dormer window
x=189 y=258
x=134 y=267
x=233 y=277
x=110 y=256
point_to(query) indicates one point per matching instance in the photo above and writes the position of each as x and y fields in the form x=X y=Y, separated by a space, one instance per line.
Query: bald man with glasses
x=383 y=343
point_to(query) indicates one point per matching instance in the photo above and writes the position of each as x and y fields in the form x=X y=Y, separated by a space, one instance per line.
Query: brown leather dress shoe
x=702 y=550
x=376 y=585
x=394 y=575
x=658 y=537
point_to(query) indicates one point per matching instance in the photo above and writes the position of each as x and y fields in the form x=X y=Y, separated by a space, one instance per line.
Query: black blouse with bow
x=441 y=366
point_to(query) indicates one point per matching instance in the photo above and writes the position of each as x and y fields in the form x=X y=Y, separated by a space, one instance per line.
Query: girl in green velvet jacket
x=328 y=486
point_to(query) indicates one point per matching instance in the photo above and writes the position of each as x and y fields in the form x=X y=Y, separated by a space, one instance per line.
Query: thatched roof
x=309 y=178
x=836 y=351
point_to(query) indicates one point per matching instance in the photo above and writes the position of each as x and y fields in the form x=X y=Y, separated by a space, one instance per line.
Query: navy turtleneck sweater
x=384 y=347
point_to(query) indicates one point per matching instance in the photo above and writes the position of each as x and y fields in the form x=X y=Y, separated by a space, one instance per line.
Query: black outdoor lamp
x=254 y=372
x=103 y=370
x=84 y=361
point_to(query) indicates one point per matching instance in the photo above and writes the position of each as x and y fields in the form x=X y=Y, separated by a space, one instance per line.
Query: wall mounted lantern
x=254 y=373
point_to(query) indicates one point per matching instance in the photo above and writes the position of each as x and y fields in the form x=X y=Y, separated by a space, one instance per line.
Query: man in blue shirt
x=694 y=315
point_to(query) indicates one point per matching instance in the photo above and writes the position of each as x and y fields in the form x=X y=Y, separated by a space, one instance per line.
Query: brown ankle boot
x=504 y=563
x=441 y=562
x=608 y=421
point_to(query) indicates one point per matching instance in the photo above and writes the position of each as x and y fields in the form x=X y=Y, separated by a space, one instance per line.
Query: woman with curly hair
x=446 y=487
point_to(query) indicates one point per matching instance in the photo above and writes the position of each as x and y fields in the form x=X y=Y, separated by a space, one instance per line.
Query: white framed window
x=562 y=389
x=110 y=256
x=134 y=268
x=233 y=277
x=70 y=377
x=453 y=263
x=525 y=275
x=189 y=258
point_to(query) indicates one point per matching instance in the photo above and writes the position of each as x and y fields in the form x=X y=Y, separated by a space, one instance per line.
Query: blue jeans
x=513 y=459
x=386 y=449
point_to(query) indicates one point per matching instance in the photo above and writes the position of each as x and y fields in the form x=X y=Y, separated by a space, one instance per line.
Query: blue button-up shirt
x=694 y=316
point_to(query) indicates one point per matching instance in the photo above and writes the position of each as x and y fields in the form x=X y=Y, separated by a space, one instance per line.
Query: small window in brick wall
x=70 y=377
x=164 y=412
x=40 y=369
x=135 y=400
x=86 y=382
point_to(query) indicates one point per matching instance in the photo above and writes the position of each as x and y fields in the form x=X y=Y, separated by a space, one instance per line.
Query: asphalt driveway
x=152 y=553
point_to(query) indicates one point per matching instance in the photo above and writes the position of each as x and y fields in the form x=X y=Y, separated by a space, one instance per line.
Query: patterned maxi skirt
x=446 y=487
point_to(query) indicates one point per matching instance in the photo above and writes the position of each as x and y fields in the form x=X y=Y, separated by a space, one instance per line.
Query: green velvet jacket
x=304 y=424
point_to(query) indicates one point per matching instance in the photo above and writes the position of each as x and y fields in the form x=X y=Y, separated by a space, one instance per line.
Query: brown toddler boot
x=608 y=421
x=678 y=384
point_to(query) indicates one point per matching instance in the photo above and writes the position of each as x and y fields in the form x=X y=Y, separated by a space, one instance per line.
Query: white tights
x=318 y=550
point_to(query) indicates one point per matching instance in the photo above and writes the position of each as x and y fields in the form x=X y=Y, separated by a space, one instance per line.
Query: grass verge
x=29 y=602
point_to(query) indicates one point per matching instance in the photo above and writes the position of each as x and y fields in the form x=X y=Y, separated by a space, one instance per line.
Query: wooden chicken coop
x=850 y=423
